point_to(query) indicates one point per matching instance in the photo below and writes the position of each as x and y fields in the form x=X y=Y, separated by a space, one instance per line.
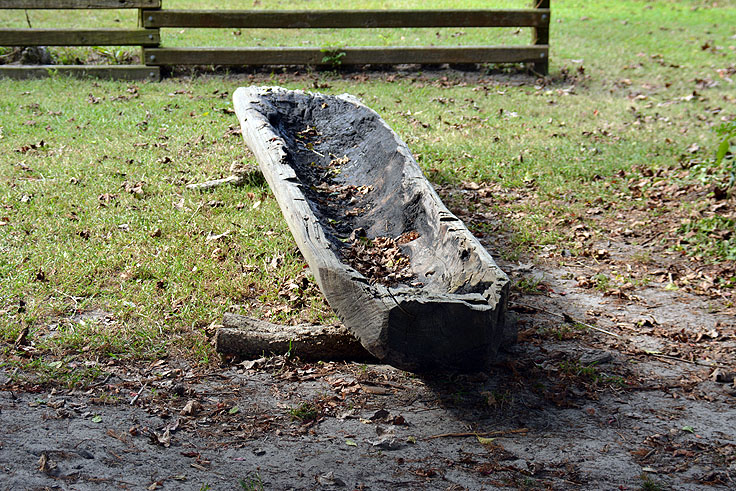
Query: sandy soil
x=569 y=408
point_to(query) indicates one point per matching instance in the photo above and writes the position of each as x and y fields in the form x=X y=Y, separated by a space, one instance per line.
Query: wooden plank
x=540 y=36
x=116 y=72
x=352 y=56
x=344 y=18
x=79 y=4
x=79 y=37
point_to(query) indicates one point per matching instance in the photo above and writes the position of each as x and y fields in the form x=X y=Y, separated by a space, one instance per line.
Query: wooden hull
x=343 y=178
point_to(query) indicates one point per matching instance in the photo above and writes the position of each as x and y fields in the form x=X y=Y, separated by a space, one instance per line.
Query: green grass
x=74 y=240
x=564 y=332
x=649 y=484
x=590 y=374
x=251 y=482
x=305 y=412
x=528 y=285
x=67 y=370
x=710 y=237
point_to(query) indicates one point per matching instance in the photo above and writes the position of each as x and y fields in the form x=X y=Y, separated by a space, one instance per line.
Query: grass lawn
x=105 y=255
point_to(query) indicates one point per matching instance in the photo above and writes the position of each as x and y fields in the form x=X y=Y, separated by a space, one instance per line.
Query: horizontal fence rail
x=79 y=4
x=116 y=72
x=79 y=37
x=297 y=19
x=388 y=55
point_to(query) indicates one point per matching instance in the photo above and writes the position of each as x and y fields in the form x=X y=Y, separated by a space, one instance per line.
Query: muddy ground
x=640 y=406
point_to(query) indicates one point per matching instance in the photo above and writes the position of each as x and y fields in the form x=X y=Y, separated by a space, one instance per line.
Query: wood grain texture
x=343 y=18
x=79 y=4
x=115 y=72
x=246 y=337
x=457 y=318
x=79 y=37
x=352 y=56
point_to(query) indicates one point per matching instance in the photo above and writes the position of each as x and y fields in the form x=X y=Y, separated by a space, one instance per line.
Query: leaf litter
x=380 y=259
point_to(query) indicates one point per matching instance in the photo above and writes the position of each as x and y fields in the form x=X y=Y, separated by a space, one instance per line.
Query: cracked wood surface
x=453 y=315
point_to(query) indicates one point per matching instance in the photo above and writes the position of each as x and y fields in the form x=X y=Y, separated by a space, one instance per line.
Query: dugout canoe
x=398 y=268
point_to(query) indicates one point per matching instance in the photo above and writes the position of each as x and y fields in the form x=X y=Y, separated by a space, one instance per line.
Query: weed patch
x=306 y=412
x=710 y=237
x=590 y=374
x=251 y=482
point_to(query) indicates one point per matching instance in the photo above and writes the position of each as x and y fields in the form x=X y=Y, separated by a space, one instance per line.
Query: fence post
x=155 y=32
x=540 y=36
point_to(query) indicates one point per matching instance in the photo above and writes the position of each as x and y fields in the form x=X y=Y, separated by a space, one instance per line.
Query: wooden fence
x=152 y=18
x=81 y=37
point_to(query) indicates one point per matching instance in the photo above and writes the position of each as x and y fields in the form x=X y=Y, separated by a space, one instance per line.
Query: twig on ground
x=135 y=398
x=622 y=436
x=10 y=380
x=235 y=180
x=97 y=384
x=568 y=318
x=74 y=299
x=692 y=362
x=199 y=207
x=476 y=433
x=82 y=441
x=647 y=241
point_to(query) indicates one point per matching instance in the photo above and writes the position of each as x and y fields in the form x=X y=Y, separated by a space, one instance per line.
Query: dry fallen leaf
x=191 y=408
x=136 y=189
x=379 y=259
x=45 y=464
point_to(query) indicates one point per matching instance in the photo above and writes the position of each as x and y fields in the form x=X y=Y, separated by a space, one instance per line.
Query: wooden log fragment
x=347 y=56
x=79 y=4
x=293 y=19
x=79 y=37
x=246 y=337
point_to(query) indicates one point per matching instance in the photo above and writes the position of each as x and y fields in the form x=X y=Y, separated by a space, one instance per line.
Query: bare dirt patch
x=570 y=408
